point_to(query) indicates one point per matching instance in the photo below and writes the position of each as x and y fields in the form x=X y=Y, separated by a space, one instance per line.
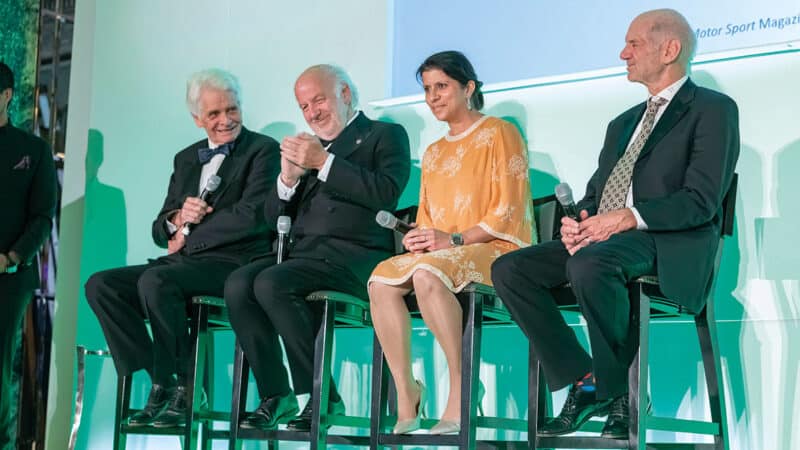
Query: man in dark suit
x=206 y=241
x=652 y=206
x=331 y=185
x=28 y=200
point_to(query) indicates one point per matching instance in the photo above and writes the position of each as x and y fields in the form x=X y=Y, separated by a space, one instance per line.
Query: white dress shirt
x=209 y=168
x=667 y=94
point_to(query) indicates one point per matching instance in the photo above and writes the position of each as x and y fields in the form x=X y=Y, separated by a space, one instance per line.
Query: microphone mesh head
x=564 y=193
x=213 y=183
x=386 y=219
x=284 y=224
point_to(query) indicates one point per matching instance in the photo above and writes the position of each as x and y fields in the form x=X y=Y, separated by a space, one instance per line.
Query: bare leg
x=443 y=315
x=392 y=324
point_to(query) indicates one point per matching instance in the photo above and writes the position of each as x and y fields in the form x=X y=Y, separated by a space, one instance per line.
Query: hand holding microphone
x=195 y=208
x=570 y=228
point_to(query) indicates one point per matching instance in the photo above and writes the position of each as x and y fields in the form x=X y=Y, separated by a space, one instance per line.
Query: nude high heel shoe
x=407 y=426
x=454 y=426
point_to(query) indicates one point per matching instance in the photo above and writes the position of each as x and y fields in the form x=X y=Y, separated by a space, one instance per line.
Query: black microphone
x=284 y=225
x=388 y=220
x=564 y=196
x=211 y=185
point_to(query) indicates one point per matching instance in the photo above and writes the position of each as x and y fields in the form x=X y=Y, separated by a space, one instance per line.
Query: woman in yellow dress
x=474 y=205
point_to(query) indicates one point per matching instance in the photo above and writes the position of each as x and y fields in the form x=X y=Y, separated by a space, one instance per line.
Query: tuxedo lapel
x=672 y=115
x=348 y=141
x=628 y=127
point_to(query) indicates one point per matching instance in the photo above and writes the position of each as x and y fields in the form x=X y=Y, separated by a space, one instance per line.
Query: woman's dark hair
x=456 y=66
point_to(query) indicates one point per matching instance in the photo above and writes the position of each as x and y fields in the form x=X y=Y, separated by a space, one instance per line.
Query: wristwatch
x=456 y=239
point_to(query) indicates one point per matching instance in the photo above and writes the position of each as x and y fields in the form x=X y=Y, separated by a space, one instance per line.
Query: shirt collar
x=669 y=92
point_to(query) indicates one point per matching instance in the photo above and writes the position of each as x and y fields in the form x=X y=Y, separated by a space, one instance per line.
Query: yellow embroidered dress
x=479 y=177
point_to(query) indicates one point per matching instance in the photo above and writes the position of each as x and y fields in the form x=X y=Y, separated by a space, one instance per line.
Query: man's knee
x=94 y=287
x=238 y=288
x=503 y=269
x=587 y=267
x=269 y=287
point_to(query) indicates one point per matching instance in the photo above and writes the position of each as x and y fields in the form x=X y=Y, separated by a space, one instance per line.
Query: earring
x=469 y=104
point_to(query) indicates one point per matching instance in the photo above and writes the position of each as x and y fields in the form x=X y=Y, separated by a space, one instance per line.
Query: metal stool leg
x=122 y=410
x=323 y=348
x=709 y=349
x=241 y=371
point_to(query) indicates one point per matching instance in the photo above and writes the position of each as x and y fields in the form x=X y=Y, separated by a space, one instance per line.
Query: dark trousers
x=598 y=275
x=266 y=300
x=13 y=301
x=159 y=291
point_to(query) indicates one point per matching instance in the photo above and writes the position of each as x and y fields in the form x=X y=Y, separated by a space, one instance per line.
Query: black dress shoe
x=174 y=414
x=578 y=409
x=159 y=395
x=616 y=426
x=270 y=412
x=303 y=421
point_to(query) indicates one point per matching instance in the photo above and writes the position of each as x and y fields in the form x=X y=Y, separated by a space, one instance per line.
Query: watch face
x=456 y=239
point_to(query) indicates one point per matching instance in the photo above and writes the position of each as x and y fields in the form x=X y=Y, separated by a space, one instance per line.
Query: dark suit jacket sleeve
x=172 y=204
x=41 y=206
x=714 y=151
x=381 y=188
x=242 y=219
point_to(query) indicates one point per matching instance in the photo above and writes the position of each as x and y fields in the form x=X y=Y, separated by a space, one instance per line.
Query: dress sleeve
x=509 y=216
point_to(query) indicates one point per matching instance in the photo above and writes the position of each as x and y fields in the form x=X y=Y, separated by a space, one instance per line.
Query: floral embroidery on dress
x=518 y=167
x=484 y=137
x=504 y=212
x=430 y=158
x=462 y=203
x=437 y=214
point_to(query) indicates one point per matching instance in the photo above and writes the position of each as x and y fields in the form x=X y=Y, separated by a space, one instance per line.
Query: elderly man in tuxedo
x=207 y=238
x=331 y=184
x=652 y=205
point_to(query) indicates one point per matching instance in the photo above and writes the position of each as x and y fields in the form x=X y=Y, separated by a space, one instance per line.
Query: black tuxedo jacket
x=28 y=199
x=679 y=182
x=334 y=219
x=235 y=231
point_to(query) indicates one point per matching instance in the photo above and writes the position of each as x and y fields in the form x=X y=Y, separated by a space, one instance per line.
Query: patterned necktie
x=205 y=154
x=615 y=192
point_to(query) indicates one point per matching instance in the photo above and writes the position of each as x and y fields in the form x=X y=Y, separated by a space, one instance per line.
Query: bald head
x=666 y=24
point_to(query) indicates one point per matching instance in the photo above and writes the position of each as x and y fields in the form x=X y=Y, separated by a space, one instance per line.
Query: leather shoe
x=616 y=426
x=578 y=409
x=303 y=421
x=159 y=395
x=174 y=414
x=271 y=411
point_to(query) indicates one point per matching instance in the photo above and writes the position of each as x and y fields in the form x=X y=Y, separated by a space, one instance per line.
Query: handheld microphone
x=388 y=220
x=564 y=196
x=211 y=185
x=284 y=225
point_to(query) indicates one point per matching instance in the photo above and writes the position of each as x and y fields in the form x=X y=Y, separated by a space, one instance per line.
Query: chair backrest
x=729 y=207
x=547 y=213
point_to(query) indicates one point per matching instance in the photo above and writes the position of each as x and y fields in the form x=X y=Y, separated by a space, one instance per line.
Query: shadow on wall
x=105 y=240
x=278 y=130
x=413 y=125
x=542 y=169
x=778 y=241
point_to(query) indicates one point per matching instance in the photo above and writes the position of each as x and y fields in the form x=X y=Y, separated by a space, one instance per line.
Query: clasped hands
x=298 y=155
x=577 y=235
x=421 y=240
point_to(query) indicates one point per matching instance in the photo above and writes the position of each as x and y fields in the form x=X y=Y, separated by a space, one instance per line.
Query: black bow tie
x=205 y=154
x=324 y=142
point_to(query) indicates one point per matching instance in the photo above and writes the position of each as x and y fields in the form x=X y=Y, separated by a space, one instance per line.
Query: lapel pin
x=358 y=141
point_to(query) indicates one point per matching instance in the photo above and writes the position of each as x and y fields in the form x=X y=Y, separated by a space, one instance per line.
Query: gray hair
x=340 y=77
x=671 y=24
x=214 y=79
